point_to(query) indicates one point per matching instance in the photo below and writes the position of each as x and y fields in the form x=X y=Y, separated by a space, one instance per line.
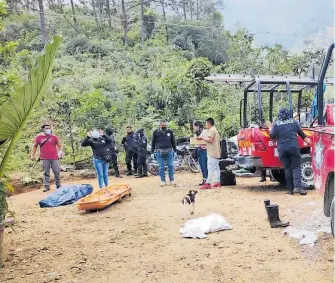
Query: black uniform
x=100 y=146
x=142 y=152
x=129 y=143
x=285 y=131
x=109 y=132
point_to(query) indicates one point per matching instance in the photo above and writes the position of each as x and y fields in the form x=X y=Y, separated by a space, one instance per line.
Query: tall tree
x=42 y=21
x=74 y=16
x=124 y=23
x=142 y=22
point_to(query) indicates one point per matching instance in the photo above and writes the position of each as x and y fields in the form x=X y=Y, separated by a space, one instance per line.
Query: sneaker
x=202 y=183
x=58 y=187
x=139 y=176
x=262 y=180
x=145 y=175
x=129 y=173
x=46 y=189
x=205 y=187
x=290 y=192
x=216 y=185
x=173 y=183
x=163 y=184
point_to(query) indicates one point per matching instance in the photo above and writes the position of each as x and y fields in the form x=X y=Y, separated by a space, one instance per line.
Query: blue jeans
x=202 y=158
x=161 y=162
x=102 y=171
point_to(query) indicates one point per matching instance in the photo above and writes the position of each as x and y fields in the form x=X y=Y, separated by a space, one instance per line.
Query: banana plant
x=14 y=114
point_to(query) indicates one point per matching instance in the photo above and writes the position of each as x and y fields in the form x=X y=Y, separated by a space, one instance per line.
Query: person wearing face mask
x=129 y=144
x=100 y=144
x=164 y=147
x=142 y=144
x=51 y=151
x=110 y=132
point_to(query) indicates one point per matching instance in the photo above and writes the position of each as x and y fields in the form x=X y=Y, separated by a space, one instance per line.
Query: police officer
x=109 y=132
x=285 y=130
x=129 y=144
x=142 y=151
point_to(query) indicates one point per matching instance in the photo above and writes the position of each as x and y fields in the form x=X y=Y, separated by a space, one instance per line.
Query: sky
x=309 y=19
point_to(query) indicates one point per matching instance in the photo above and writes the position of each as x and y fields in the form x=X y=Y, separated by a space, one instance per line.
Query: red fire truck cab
x=323 y=145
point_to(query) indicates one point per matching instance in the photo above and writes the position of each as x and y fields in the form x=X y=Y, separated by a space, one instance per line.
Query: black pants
x=131 y=156
x=291 y=159
x=114 y=164
x=142 y=165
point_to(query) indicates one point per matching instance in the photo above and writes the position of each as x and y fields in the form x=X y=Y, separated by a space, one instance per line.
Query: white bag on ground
x=197 y=228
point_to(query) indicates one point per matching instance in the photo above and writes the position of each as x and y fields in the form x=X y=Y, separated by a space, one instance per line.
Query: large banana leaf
x=15 y=111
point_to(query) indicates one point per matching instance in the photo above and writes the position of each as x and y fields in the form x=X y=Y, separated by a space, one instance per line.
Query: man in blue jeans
x=201 y=152
x=164 y=147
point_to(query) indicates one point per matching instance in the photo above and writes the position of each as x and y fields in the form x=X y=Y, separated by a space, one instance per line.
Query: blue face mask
x=95 y=134
x=48 y=132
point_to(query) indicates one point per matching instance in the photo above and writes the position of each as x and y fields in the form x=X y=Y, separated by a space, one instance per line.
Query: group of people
x=163 y=147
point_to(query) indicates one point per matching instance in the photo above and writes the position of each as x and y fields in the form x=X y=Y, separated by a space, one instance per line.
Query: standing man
x=164 y=147
x=129 y=144
x=285 y=130
x=50 y=151
x=109 y=132
x=201 y=151
x=213 y=154
x=142 y=152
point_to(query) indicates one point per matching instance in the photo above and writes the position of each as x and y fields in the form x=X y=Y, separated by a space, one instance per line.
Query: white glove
x=60 y=154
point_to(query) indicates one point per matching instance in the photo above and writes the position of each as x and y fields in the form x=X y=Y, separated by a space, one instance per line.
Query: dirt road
x=138 y=240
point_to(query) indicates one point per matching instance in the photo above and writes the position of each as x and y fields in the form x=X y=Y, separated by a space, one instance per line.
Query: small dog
x=189 y=200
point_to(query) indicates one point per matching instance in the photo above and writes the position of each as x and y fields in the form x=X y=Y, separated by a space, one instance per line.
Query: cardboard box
x=194 y=141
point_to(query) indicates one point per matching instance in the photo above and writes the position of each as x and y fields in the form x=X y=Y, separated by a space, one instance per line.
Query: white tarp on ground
x=199 y=227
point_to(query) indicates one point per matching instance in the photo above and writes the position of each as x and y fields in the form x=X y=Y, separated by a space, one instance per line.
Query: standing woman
x=100 y=144
x=285 y=130
x=201 y=151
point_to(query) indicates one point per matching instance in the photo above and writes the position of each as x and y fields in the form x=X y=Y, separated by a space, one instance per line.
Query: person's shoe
x=58 y=187
x=173 y=183
x=46 y=189
x=262 y=180
x=163 y=184
x=202 y=183
x=205 y=186
x=139 y=176
x=145 y=175
x=129 y=173
x=216 y=185
x=289 y=192
x=300 y=191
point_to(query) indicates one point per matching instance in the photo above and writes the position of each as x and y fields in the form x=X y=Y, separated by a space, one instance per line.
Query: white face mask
x=95 y=134
x=48 y=132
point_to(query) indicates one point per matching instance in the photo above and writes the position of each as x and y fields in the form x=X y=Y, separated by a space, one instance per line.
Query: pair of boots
x=142 y=172
x=273 y=215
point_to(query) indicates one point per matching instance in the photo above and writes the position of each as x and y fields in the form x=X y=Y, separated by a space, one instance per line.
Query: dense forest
x=132 y=62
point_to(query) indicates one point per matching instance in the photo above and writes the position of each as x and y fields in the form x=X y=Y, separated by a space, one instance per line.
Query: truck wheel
x=307 y=175
x=332 y=211
x=279 y=176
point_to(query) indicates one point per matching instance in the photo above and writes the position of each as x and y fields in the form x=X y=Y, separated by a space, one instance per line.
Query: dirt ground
x=138 y=239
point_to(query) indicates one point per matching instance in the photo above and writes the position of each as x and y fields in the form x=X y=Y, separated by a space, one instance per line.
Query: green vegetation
x=131 y=62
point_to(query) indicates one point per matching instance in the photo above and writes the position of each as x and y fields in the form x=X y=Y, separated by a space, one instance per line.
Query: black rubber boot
x=273 y=215
x=263 y=179
x=117 y=174
x=129 y=173
x=145 y=171
x=266 y=203
x=140 y=173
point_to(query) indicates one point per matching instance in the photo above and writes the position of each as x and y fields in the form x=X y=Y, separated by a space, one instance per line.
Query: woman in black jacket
x=99 y=142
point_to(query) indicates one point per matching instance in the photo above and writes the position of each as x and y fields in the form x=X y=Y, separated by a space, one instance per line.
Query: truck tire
x=307 y=175
x=332 y=211
x=278 y=175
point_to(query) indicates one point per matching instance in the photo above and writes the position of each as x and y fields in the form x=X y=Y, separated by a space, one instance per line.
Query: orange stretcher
x=104 y=197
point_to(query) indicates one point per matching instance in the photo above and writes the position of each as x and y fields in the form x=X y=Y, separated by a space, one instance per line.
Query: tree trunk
x=197 y=9
x=142 y=22
x=95 y=12
x=184 y=9
x=109 y=14
x=124 y=23
x=2 y=252
x=165 y=24
x=74 y=17
x=42 y=21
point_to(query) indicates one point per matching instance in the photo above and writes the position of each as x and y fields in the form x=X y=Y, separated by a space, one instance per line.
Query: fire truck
x=262 y=98
x=323 y=144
